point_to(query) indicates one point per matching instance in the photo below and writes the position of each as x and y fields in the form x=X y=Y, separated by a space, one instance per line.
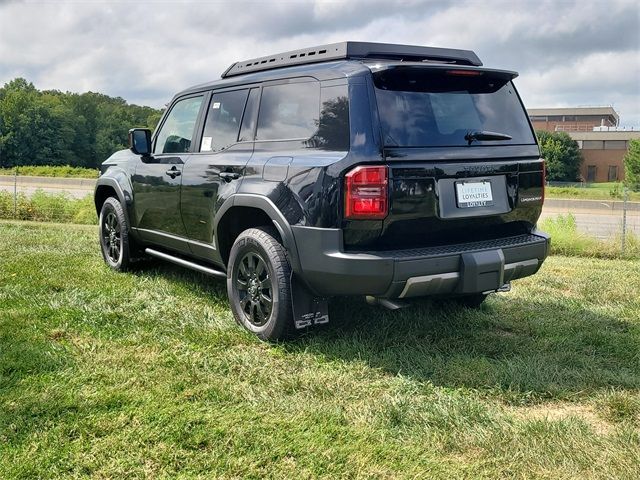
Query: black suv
x=389 y=171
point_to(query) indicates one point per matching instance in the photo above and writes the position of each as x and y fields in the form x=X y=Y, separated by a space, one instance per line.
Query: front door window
x=177 y=130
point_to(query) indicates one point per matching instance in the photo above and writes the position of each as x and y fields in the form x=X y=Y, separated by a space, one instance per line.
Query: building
x=602 y=142
x=580 y=119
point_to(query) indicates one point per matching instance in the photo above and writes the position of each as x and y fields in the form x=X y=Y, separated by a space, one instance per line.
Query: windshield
x=421 y=107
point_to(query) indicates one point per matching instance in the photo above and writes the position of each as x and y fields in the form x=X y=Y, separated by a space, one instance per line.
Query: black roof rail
x=353 y=50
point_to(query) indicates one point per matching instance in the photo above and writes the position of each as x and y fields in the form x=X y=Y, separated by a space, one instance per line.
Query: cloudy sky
x=568 y=53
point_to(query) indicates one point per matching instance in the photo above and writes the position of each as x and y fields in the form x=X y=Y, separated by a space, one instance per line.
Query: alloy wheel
x=254 y=289
x=111 y=237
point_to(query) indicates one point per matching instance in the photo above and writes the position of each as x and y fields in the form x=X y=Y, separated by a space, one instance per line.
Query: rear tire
x=259 y=285
x=115 y=243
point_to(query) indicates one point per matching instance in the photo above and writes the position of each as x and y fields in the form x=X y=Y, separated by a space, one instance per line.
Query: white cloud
x=567 y=53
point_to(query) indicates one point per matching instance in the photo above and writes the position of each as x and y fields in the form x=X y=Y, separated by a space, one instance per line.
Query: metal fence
x=615 y=221
x=51 y=199
x=70 y=200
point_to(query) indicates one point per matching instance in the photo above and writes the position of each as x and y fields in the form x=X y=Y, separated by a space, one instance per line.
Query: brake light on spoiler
x=464 y=73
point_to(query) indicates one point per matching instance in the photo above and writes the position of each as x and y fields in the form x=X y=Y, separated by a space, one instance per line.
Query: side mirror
x=140 y=141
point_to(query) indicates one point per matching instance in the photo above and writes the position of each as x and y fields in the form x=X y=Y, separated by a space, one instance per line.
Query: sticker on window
x=215 y=105
x=206 y=144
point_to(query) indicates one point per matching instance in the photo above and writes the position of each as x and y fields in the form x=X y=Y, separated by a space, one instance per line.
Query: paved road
x=598 y=224
x=602 y=219
x=599 y=218
x=75 y=187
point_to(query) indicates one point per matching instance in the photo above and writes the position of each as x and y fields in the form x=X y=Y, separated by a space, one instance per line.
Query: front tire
x=115 y=243
x=258 y=284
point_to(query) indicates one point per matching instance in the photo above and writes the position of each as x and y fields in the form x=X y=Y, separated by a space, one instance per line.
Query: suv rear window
x=422 y=107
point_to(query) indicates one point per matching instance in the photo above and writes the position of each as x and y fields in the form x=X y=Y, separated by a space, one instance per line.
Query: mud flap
x=308 y=310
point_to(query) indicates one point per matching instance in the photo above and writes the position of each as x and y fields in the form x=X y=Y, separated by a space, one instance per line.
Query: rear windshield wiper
x=484 y=135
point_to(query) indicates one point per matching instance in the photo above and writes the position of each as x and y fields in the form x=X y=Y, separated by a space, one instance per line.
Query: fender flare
x=124 y=195
x=279 y=221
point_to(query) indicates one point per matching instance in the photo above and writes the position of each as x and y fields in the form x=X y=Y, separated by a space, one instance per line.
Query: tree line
x=83 y=129
x=62 y=128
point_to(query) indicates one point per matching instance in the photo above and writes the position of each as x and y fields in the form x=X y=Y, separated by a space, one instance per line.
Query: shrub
x=47 y=207
x=567 y=240
x=561 y=154
x=632 y=165
x=51 y=171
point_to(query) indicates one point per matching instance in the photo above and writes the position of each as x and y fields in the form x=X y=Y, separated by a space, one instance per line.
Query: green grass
x=567 y=240
x=52 y=171
x=592 y=191
x=48 y=207
x=146 y=375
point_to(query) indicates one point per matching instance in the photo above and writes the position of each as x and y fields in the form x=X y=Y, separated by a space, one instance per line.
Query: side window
x=223 y=120
x=289 y=111
x=250 y=116
x=177 y=131
x=333 y=126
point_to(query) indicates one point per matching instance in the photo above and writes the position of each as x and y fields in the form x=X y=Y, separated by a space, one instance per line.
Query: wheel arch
x=266 y=212
x=110 y=186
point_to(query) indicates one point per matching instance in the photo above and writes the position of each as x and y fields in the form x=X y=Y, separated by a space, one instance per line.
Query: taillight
x=366 y=193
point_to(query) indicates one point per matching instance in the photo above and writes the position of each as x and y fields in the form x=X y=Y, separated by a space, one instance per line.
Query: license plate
x=474 y=194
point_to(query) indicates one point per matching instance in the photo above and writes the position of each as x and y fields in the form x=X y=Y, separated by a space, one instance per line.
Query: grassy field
x=593 y=191
x=146 y=375
x=52 y=171
x=567 y=240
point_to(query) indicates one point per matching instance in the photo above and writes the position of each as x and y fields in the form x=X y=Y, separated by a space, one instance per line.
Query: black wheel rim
x=111 y=237
x=254 y=289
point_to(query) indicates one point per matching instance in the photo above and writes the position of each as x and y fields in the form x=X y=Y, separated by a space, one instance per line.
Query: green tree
x=562 y=156
x=632 y=165
x=58 y=128
x=153 y=118
x=38 y=129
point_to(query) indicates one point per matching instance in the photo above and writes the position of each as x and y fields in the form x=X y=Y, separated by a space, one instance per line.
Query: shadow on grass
x=521 y=348
x=194 y=282
x=540 y=348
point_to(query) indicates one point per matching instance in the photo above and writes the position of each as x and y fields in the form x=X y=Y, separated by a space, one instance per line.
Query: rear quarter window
x=289 y=111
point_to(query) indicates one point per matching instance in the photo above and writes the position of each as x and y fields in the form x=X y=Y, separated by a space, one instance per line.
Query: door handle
x=173 y=172
x=228 y=176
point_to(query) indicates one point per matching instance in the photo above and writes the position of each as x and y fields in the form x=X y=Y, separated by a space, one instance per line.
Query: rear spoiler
x=460 y=70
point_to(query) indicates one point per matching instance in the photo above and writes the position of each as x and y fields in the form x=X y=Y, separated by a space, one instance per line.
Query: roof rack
x=353 y=50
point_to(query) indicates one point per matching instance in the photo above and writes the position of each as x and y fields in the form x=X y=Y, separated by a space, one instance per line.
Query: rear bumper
x=452 y=269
